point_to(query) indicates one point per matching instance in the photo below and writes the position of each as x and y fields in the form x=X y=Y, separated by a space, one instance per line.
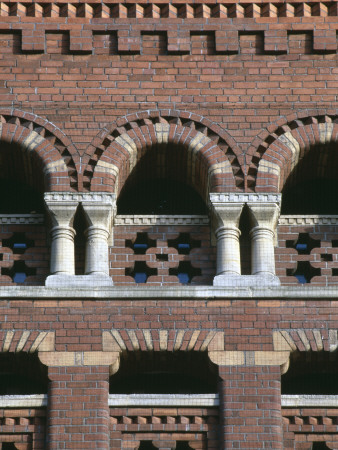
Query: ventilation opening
x=8 y=446
x=304 y=272
x=184 y=243
x=147 y=445
x=19 y=272
x=165 y=373
x=141 y=243
x=22 y=374
x=18 y=243
x=140 y=272
x=185 y=272
x=319 y=446
x=304 y=244
x=183 y=445
x=312 y=373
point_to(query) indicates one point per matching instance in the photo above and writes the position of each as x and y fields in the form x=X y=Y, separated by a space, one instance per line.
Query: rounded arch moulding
x=42 y=142
x=277 y=151
x=211 y=156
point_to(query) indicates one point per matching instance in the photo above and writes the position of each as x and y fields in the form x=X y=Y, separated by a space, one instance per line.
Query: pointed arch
x=278 y=153
x=43 y=145
x=212 y=161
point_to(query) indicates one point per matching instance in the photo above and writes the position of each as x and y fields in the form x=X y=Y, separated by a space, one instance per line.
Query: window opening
x=184 y=243
x=153 y=372
x=185 y=272
x=141 y=243
x=22 y=374
x=140 y=272
x=311 y=373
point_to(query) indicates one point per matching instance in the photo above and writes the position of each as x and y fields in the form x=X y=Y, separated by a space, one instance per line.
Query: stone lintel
x=80 y=359
x=249 y=358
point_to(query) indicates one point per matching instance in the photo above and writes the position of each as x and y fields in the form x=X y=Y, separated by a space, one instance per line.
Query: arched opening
x=311 y=373
x=22 y=374
x=159 y=249
x=159 y=196
x=162 y=182
x=23 y=240
x=22 y=179
x=165 y=373
x=312 y=186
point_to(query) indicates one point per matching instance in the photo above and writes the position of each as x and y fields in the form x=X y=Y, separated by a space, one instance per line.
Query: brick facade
x=226 y=98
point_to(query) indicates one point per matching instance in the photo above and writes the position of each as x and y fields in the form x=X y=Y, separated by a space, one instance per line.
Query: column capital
x=264 y=215
x=225 y=214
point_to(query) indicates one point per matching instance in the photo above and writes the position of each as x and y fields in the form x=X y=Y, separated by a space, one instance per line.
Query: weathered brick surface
x=236 y=94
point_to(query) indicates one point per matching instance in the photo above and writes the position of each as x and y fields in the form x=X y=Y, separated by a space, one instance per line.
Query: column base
x=246 y=280
x=92 y=281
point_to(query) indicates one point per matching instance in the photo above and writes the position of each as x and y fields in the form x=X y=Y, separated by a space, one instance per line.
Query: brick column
x=78 y=411
x=250 y=407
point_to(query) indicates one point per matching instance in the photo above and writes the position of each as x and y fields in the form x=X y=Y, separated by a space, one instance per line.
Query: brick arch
x=48 y=146
x=277 y=153
x=113 y=154
x=162 y=340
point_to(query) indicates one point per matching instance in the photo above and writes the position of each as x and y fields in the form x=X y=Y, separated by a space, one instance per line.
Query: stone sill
x=166 y=400
x=181 y=400
x=170 y=292
x=310 y=401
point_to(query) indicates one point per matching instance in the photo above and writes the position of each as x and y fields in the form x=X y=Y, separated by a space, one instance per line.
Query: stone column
x=98 y=210
x=62 y=209
x=99 y=218
x=264 y=218
x=226 y=215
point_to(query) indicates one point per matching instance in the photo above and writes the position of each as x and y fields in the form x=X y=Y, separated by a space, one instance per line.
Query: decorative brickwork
x=160 y=255
x=211 y=164
x=305 y=426
x=24 y=253
x=25 y=428
x=195 y=426
x=306 y=251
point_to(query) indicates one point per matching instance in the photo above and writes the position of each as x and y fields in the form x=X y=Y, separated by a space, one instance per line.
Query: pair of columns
x=98 y=210
x=226 y=209
x=264 y=210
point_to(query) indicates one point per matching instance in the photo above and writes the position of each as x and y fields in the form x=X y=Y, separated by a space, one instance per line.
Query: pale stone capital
x=249 y=358
x=264 y=215
x=61 y=213
x=99 y=215
x=76 y=359
x=226 y=215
